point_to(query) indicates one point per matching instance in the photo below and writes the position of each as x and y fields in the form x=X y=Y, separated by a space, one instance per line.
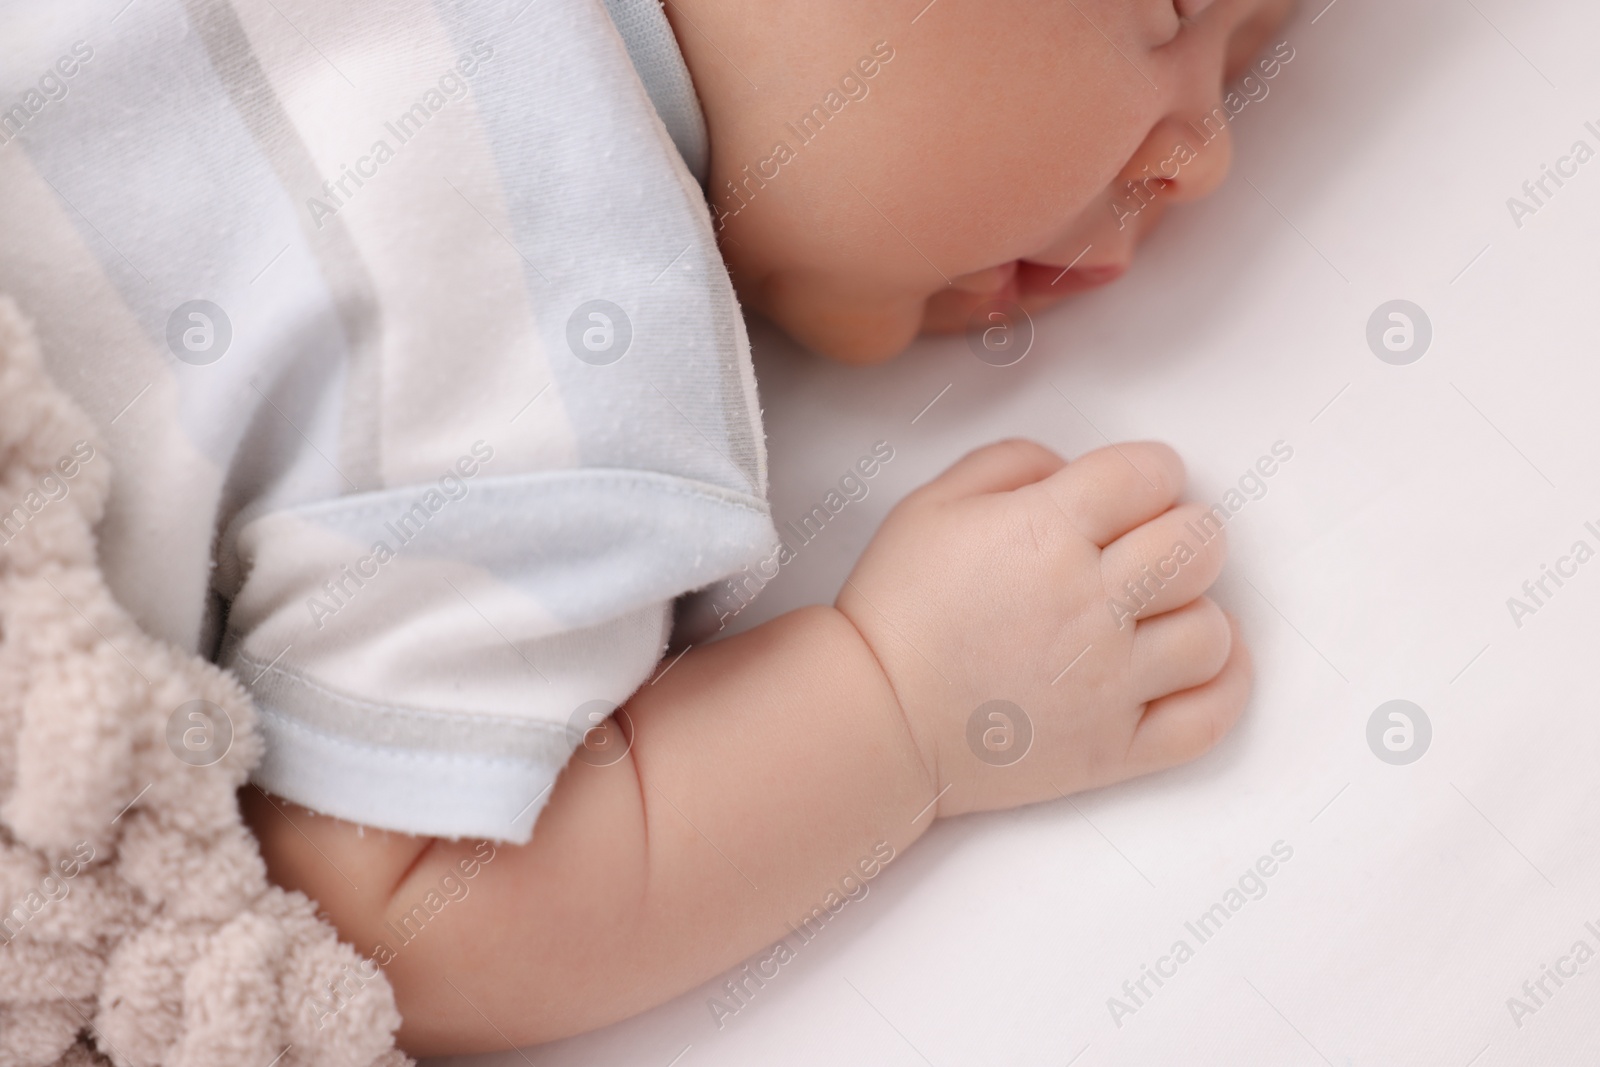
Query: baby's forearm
x=763 y=768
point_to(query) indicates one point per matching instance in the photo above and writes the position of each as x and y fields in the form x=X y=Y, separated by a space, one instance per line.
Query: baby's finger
x=1180 y=727
x=997 y=468
x=1180 y=650
x=1112 y=490
x=1165 y=563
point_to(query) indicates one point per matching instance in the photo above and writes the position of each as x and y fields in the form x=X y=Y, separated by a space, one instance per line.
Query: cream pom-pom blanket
x=137 y=926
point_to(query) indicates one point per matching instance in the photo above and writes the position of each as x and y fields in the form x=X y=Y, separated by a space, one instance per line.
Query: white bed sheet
x=1419 y=898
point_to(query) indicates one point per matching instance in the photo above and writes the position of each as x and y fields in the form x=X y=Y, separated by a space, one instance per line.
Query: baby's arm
x=766 y=766
x=763 y=768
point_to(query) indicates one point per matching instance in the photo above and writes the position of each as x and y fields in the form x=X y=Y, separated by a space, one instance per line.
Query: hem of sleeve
x=432 y=794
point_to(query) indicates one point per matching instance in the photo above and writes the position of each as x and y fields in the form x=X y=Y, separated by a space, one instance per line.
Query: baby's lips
x=1042 y=279
x=989 y=283
x=1190 y=8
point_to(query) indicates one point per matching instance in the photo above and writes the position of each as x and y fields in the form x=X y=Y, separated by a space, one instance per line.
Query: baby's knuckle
x=1040 y=528
x=1163 y=467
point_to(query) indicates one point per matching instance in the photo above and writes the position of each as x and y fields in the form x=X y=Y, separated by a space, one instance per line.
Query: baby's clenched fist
x=1043 y=623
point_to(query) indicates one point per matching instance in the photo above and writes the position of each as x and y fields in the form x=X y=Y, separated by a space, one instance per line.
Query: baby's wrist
x=921 y=746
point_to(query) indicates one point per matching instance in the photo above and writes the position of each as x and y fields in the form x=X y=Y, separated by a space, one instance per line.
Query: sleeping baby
x=414 y=333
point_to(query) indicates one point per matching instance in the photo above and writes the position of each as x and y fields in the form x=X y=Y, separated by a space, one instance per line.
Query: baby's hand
x=1071 y=592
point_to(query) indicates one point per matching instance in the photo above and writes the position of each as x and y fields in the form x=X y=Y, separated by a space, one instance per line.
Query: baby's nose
x=1183 y=157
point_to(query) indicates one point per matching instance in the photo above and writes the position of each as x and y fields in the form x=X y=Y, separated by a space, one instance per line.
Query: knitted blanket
x=137 y=926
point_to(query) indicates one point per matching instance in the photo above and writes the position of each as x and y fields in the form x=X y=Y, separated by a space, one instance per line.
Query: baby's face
x=971 y=150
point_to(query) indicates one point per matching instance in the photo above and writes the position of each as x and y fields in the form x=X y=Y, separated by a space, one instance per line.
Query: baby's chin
x=854 y=331
x=864 y=342
x=1032 y=286
x=862 y=336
